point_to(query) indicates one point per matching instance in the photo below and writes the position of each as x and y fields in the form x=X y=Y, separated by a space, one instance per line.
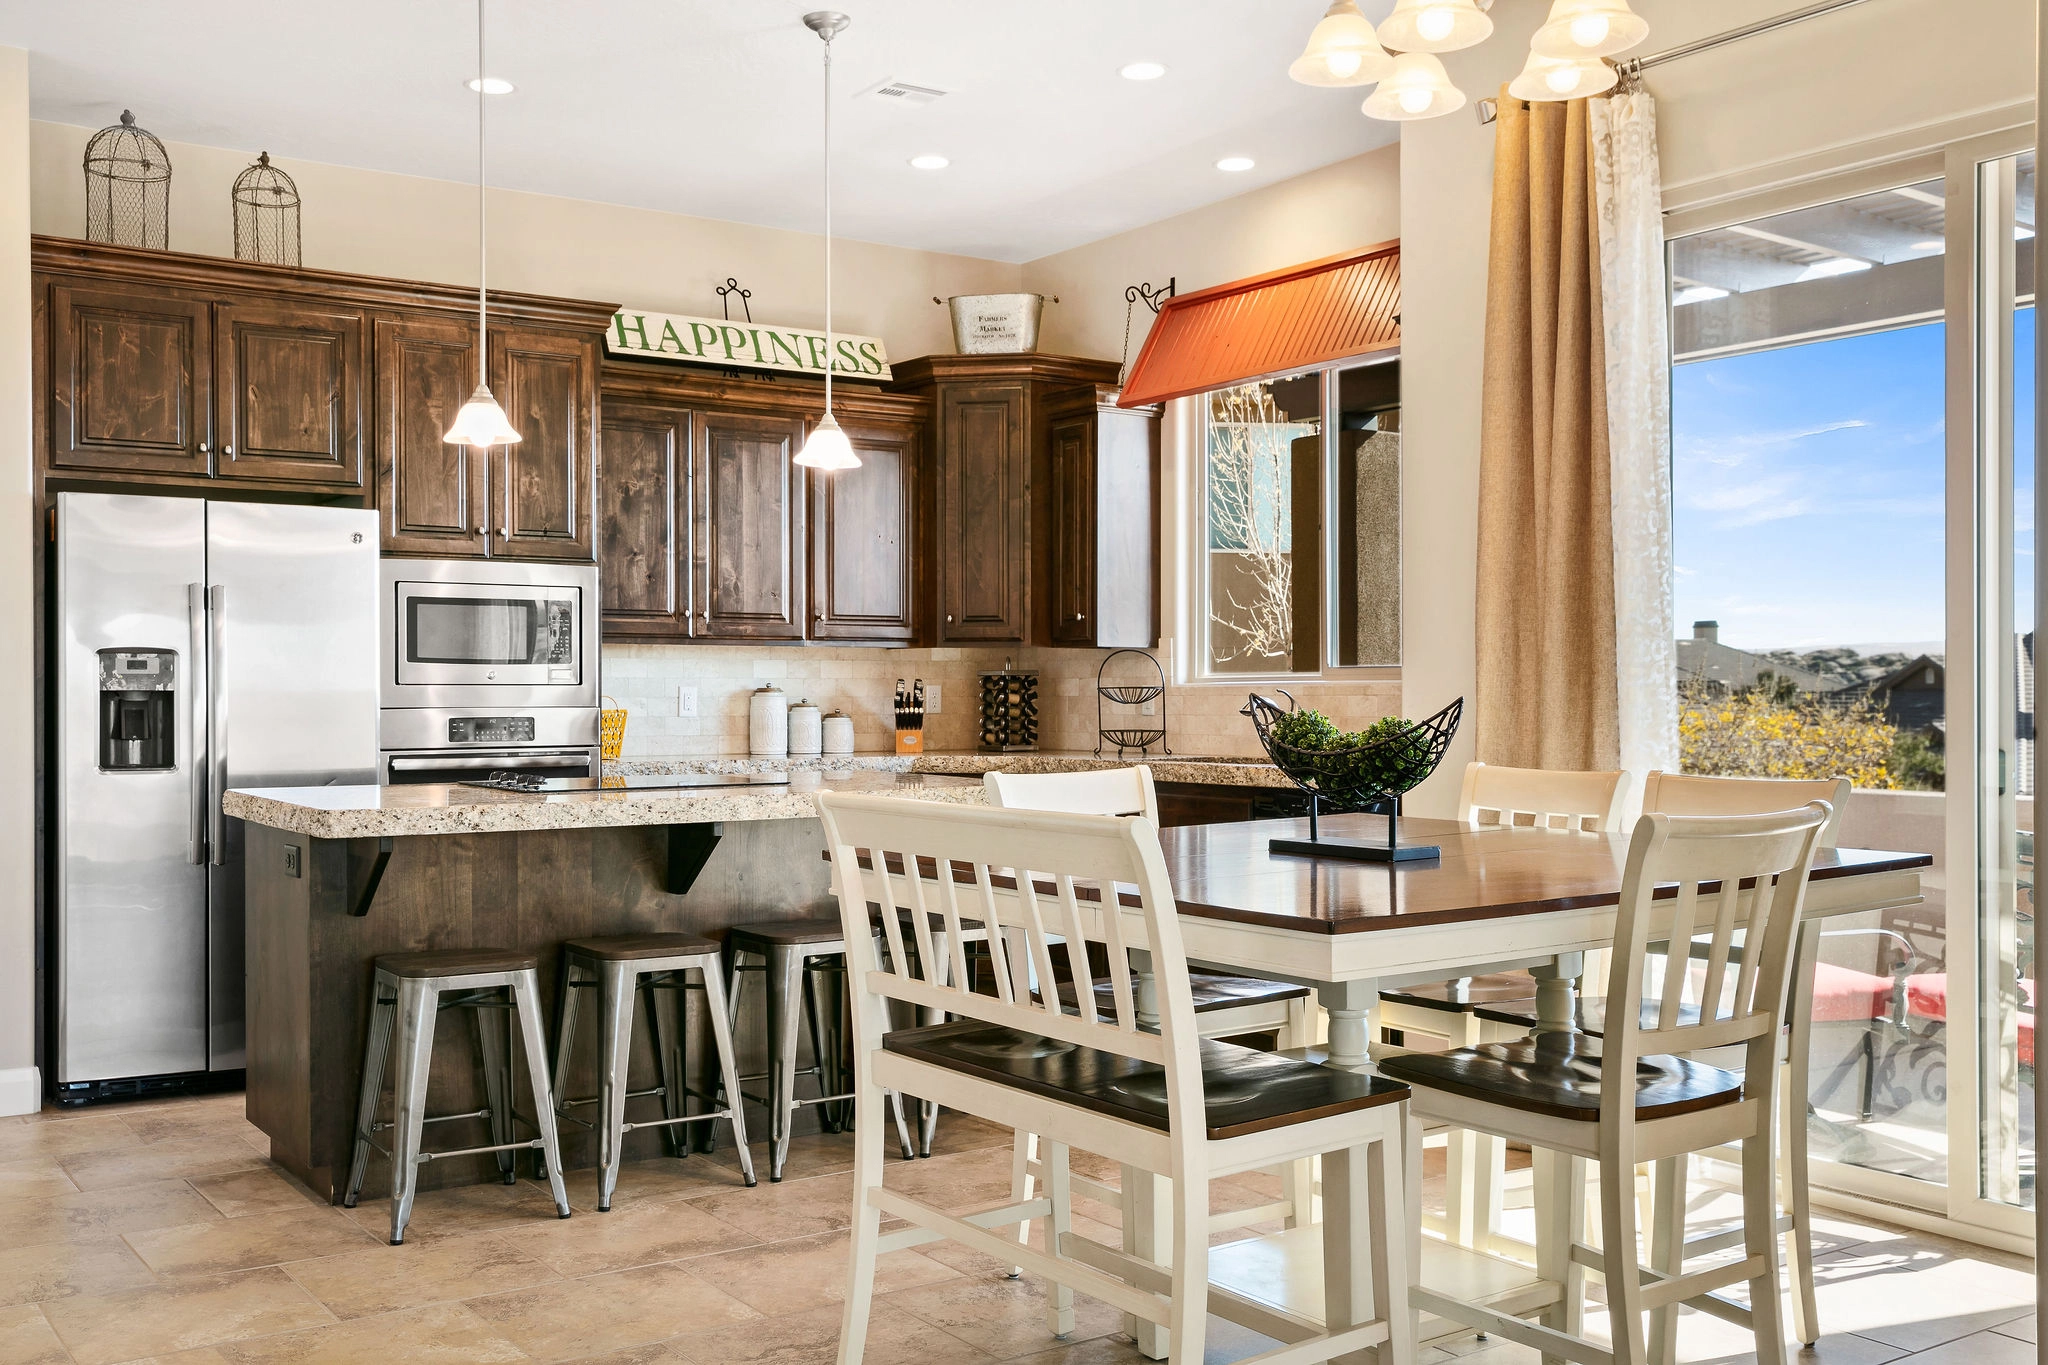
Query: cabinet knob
x=202 y=447
x=228 y=451
x=1080 y=616
x=483 y=530
x=949 y=620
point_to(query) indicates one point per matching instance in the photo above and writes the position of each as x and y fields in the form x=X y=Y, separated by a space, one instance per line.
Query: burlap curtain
x=1545 y=695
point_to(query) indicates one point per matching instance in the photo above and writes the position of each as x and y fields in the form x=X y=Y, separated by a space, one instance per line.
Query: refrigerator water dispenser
x=138 y=709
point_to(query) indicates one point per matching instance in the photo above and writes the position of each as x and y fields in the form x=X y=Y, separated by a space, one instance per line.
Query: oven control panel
x=490 y=730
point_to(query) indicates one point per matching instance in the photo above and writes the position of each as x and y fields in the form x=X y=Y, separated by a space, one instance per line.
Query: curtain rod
x=1635 y=66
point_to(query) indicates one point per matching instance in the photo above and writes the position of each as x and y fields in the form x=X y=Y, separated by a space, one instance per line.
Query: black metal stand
x=1357 y=850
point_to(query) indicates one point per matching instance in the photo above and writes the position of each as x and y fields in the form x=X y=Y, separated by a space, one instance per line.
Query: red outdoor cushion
x=1843 y=994
x=1927 y=998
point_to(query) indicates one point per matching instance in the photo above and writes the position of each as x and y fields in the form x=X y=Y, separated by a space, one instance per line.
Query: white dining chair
x=1493 y=796
x=1167 y=1102
x=1226 y=1006
x=1561 y=1092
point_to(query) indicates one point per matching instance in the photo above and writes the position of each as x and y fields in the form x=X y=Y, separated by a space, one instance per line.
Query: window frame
x=1187 y=433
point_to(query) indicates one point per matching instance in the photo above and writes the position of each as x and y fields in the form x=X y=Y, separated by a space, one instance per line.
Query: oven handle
x=567 y=758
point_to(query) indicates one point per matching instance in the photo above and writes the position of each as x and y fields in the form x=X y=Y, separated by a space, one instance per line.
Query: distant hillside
x=1842 y=663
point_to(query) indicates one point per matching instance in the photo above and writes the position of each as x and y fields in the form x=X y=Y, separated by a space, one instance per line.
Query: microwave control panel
x=490 y=730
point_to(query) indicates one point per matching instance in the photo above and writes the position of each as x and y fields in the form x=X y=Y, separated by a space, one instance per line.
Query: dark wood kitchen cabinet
x=1100 y=553
x=709 y=531
x=546 y=487
x=288 y=384
x=993 y=515
x=747 y=525
x=172 y=372
x=130 y=381
x=863 y=565
x=432 y=491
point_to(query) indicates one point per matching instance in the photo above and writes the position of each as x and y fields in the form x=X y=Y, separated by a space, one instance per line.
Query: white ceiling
x=711 y=107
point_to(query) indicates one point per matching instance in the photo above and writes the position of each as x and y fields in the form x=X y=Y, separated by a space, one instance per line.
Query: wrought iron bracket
x=727 y=290
x=361 y=906
x=1150 y=296
x=689 y=848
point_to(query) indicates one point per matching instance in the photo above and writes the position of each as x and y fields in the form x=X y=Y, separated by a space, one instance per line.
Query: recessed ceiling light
x=1235 y=163
x=1142 y=71
x=1832 y=266
x=930 y=161
x=1697 y=293
x=491 y=85
x=1929 y=246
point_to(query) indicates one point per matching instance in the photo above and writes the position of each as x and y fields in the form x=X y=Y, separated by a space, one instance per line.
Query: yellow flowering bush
x=1754 y=733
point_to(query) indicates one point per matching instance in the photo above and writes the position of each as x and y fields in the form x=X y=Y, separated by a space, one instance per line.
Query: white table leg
x=1144 y=989
x=1350 y=1005
x=1560 y=1181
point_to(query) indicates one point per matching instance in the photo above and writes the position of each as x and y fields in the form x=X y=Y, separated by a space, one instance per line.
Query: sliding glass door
x=1853 y=476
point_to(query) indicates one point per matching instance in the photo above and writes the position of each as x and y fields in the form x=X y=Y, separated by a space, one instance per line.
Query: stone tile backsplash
x=1202 y=719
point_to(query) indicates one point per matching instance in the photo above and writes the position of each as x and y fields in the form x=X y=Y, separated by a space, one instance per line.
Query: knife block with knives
x=910 y=716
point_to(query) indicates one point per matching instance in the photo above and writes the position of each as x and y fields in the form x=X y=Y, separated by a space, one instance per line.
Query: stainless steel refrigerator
x=198 y=646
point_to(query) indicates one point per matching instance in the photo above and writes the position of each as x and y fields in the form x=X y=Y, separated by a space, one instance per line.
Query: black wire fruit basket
x=1370 y=777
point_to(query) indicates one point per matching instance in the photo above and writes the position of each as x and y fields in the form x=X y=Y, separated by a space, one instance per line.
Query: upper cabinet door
x=984 y=488
x=861 y=539
x=430 y=493
x=643 y=521
x=547 y=384
x=290 y=380
x=1072 y=550
x=130 y=382
x=748 y=527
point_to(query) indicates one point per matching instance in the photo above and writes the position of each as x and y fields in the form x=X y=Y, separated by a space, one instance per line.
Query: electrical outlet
x=931 y=699
x=1148 y=708
x=686 y=701
x=291 y=860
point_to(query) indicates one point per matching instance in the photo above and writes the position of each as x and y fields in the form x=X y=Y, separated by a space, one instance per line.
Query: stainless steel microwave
x=463 y=633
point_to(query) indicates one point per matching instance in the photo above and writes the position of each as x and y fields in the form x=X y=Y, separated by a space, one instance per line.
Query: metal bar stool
x=656 y=967
x=796 y=956
x=410 y=991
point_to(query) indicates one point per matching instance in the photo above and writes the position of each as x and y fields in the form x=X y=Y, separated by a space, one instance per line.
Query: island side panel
x=278 y=1008
x=527 y=891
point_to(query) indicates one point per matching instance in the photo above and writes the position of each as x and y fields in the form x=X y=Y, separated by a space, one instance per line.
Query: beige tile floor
x=159 y=1232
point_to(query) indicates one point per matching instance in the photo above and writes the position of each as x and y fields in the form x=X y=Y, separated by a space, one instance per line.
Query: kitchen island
x=338 y=875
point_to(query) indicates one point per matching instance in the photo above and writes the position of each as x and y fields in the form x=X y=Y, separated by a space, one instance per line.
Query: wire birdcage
x=266 y=214
x=127 y=187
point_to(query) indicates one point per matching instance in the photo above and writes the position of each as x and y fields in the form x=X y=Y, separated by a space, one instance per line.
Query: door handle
x=196 y=721
x=217 y=699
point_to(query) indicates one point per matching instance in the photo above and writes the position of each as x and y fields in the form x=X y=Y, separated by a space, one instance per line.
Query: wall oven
x=487 y=666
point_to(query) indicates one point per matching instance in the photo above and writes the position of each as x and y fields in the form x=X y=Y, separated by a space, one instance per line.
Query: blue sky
x=1807 y=491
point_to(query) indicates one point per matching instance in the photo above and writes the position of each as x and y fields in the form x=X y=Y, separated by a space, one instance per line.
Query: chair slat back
x=1553 y=800
x=1731 y=874
x=1107 y=791
x=1060 y=882
x=1688 y=794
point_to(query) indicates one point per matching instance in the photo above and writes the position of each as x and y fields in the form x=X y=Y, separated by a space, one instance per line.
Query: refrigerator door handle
x=196 y=693
x=217 y=705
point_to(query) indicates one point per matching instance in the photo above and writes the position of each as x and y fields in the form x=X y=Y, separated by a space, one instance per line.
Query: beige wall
x=1353 y=203
x=1806 y=92
x=376 y=223
x=20 y=1091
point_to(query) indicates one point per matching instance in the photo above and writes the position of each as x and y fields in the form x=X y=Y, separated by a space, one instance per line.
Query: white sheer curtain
x=1629 y=198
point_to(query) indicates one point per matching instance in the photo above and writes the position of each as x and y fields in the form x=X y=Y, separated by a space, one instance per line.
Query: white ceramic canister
x=768 y=722
x=805 y=730
x=838 y=736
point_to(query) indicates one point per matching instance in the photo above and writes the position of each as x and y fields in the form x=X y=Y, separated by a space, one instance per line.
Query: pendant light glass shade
x=828 y=447
x=1589 y=28
x=1554 y=78
x=1434 y=25
x=481 y=422
x=1342 y=50
x=1418 y=87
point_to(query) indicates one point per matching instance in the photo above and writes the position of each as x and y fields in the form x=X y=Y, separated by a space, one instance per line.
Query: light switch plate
x=686 y=701
x=931 y=699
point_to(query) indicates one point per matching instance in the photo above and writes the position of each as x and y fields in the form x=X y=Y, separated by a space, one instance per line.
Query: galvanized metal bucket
x=995 y=324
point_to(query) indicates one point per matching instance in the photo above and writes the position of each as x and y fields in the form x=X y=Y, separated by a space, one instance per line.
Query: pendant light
x=1589 y=28
x=1342 y=50
x=828 y=447
x=481 y=422
x=1418 y=87
x=1562 y=78
x=1435 y=25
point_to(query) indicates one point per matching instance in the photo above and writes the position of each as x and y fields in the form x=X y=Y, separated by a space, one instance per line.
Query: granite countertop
x=361 y=812
x=1227 y=772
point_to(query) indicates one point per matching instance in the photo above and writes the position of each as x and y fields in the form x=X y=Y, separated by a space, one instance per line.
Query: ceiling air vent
x=904 y=92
